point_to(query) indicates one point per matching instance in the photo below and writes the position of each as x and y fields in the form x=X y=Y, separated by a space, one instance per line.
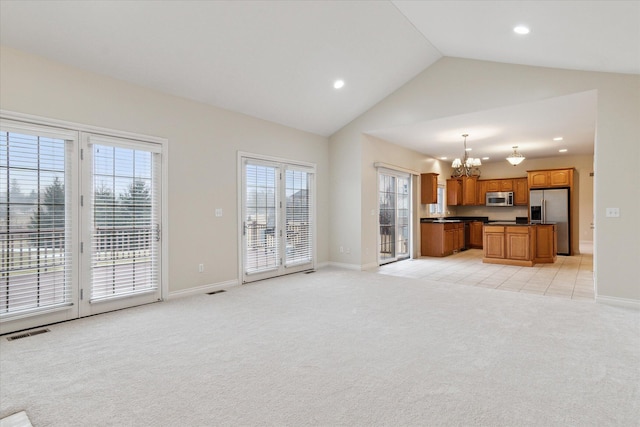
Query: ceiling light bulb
x=521 y=29
x=557 y=138
x=563 y=150
x=338 y=84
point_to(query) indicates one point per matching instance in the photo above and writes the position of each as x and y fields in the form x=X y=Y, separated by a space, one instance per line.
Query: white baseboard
x=345 y=265
x=199 y=290
x=322 y=265
x=619 y=302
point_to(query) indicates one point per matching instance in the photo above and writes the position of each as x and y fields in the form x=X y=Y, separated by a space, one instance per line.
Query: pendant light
x=515 y=158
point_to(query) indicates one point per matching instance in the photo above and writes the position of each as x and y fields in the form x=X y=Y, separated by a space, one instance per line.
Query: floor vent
x=216 y=292
x=28 y=334
x=309 y=272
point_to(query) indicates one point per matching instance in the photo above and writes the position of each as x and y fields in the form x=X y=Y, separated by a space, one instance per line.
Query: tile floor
x=569 y=277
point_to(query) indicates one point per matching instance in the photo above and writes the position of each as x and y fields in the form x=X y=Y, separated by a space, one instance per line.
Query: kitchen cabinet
x=546 y=243
x=517 y=243
x=428 y=188
x=520 y=192
x=481 y=192
x=550 y=178
x=494 y=185
x=475 y=234
x=462 y=191
x=493 y=242
x=441 y=239
x=522 y=245
x=454 y=192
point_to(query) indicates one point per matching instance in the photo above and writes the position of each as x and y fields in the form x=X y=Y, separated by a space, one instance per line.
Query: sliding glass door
x=394 y=205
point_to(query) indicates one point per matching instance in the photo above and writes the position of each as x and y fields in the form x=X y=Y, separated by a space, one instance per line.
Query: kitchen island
x=519 y=244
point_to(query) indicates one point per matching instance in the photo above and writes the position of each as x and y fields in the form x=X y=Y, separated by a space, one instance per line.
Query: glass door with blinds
x=121 y=209
x=79 y=224
x=394 y=205
x=37 y=237
x=277 y=218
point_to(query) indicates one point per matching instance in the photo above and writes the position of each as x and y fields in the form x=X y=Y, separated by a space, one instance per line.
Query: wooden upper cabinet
x=469 y=190
x=429 y=188
x=454 y=192
x=561 y=178
x=493 y=185
x=462 y=191
x=550 y=178
x=506 y=185
x=520 y=191
x=481 y=192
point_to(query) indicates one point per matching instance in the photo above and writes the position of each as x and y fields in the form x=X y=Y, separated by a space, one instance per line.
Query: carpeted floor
x=334 y=348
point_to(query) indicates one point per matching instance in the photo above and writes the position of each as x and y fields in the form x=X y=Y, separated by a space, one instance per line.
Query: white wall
x=454 y=86
x=203 y=145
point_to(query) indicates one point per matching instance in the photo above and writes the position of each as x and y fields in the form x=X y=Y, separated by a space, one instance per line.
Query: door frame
x=241 y=156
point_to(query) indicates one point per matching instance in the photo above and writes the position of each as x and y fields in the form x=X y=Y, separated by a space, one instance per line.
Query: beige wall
x=203 y=146
x=454 y=86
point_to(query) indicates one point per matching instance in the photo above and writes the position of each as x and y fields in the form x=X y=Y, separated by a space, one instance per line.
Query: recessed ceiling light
x=467 y=149
x=557 y=138
x=338 y=84
x=443 y=158
x=521 y=29
x=563 y=150
x=485 y=158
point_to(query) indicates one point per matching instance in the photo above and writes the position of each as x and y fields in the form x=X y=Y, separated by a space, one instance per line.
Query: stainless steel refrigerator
x=552 y=205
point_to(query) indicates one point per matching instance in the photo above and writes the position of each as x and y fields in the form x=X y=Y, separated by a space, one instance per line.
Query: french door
x=277 y=224
x=120 y=248
x=79 y=224
x=394 y=206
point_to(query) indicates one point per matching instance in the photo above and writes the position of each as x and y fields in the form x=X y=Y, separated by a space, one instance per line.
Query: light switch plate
x=613 y=212
x=218 y=212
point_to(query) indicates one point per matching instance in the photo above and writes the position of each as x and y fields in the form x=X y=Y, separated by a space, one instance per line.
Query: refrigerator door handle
x=543 y=202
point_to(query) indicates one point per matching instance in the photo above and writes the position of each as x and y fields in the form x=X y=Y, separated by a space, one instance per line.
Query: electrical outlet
x=341 y=249
x=200 y=268
x=613 y=212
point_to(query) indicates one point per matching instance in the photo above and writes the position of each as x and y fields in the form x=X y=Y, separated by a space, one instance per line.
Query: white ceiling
x=277 y=60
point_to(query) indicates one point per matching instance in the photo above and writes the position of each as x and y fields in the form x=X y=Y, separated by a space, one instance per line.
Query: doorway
x=277 y=217
x=394 y=206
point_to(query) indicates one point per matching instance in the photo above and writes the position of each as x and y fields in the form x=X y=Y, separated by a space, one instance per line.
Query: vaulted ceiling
x=278 y=60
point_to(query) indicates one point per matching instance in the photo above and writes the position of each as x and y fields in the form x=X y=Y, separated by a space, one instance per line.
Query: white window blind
x=261 y=217
x=298 y=220
x=35 y=220
x=125 y=229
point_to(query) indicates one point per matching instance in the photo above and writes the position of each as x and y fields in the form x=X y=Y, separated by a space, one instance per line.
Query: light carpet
x=334 y=348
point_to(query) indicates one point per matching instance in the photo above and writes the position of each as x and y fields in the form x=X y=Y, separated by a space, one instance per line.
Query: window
x=437 y=209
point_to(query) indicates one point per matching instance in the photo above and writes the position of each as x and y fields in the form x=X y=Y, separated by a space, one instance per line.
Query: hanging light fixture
x=468 y=166
x=515 y=158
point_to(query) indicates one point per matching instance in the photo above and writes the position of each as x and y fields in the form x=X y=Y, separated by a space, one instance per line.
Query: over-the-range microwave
x=499 y=198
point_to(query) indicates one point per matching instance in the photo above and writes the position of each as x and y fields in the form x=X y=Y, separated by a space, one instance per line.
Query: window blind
x=261 y=217
x=35 y=221
x=298 y=219
x=125 y=230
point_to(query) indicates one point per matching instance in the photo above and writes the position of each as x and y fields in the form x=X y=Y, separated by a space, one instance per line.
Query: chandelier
x=468 y=166
x=515 y=158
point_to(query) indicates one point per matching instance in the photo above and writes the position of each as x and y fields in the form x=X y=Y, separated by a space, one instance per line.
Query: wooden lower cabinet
x=493 y=242
x=523 y=245
x=475 y=234
x=546 y=243
x=441 y=239
x=517 y=243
